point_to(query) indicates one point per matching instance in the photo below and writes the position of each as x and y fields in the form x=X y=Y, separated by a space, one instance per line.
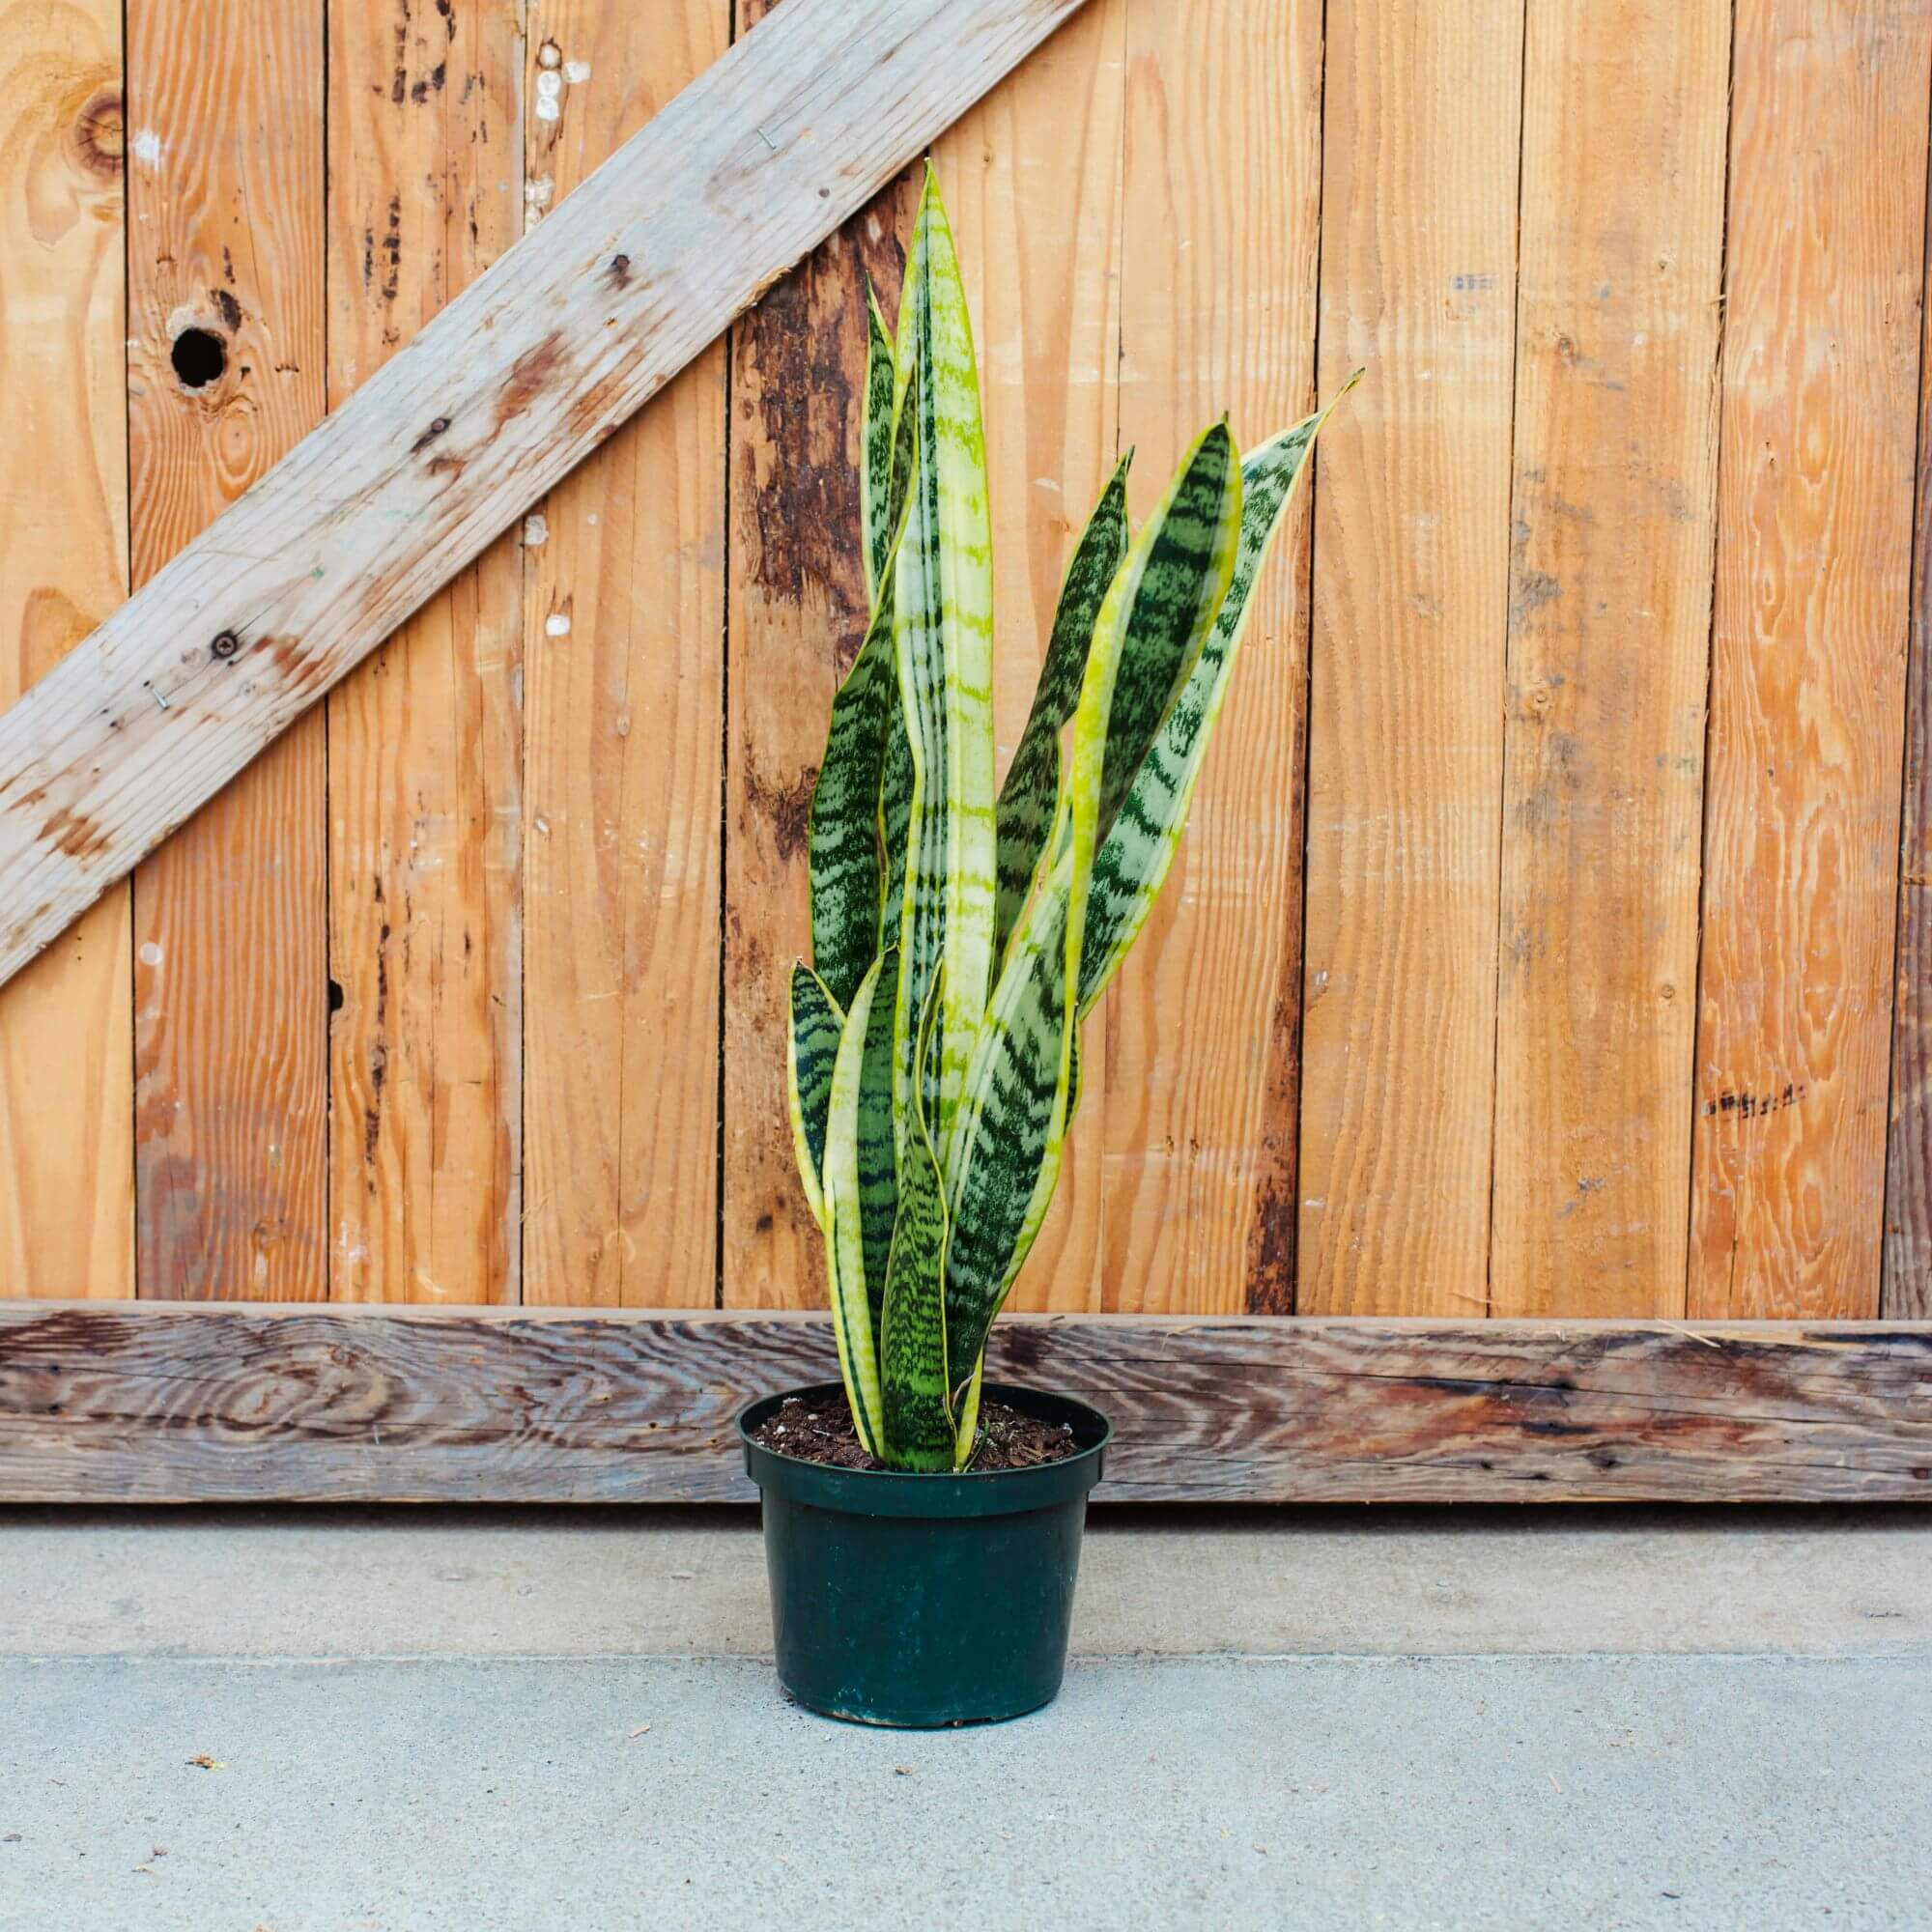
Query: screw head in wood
x=226 y=643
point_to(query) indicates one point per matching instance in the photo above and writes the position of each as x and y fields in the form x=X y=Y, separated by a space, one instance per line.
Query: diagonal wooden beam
x=513 y=383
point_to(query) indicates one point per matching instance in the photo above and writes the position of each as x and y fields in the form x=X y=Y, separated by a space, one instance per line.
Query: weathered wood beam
x=219 y=1402
x=518 y=379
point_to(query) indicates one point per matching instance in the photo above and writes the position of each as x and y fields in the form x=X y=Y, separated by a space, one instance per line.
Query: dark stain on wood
x=619 y=270
x=801 y=355
x=787 y=809
x=74 y=833
x=229 y=308
x=438 y=426
x=1753 y=1106
x=530 y=374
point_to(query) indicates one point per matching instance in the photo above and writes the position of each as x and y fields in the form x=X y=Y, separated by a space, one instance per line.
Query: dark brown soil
x=823 y=1433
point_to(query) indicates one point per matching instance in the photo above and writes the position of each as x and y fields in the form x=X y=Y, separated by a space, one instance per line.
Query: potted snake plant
x=922 y=1524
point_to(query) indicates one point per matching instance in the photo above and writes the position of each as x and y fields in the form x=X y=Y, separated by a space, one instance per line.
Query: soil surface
x=823 y=1433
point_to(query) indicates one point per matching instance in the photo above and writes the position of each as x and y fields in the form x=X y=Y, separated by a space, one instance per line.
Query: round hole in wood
x=199 y=356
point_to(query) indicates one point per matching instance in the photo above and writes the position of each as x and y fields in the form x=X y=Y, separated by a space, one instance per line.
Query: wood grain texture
x=66 y=1109
x=624 y=649
x=135 y=1402
x=425 y=752
x=1824 y=282
x=1411 y=588
x=1621 y=261
x=1905 y=1291
x=225 y=220
x=797 y=608
x=1033 y=183
x=530 y=369
x=1223 y=166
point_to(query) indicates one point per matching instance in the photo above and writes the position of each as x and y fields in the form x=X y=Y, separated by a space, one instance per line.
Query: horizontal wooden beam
x=513 y=383
x=158 y=1402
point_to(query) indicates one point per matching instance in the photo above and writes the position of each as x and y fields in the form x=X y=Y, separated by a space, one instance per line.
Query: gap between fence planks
x=200 y=1403
x=495 y=401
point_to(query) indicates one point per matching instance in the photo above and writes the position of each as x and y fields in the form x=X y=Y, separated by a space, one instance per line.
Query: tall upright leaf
x=845 y=1219
x=1031 y=789
x=843 y=830
x=943 y=628
x=1020 y=1086
x=1138 y=847
x=878 y=1149
x=914 y=1394
x=875 y=494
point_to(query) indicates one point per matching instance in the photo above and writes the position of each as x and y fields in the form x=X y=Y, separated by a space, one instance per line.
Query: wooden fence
x=1550 y=940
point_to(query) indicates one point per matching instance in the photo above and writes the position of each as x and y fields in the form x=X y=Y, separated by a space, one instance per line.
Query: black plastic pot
x=922 y=1600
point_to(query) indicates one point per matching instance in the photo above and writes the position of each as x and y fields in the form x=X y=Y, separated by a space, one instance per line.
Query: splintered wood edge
x=158 y=1402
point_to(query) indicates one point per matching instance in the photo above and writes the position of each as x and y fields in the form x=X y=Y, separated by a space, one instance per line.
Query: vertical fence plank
x=1820 y=400
x=1622 y=250
x=1906 y=1288
x=1031 y=179
x=424 y=739
x=796 y=616
x=225 y=373
x=1411 y=587
x=1222 y=147
x=67 y=1106
x=624 y=644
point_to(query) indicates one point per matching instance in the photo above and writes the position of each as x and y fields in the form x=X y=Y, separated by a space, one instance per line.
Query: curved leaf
x=1031 y=786
x=1020 y=1083
x=811 y=1048
x=1138 y=848
x=845 y=1220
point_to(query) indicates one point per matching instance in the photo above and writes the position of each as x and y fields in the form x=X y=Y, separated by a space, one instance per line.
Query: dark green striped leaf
x=845 y=825
x=1138 y=848
x=1179 y=580
x=875 y=493
x=814 y=1047
x=1031 y=786
x=912 y=1337
x=878 y=1158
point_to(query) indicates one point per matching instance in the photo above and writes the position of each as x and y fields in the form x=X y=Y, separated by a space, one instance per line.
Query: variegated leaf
x=1176 y=581
x=845 y=1218
x=876 y=465
x=1020 y=1085
x=812 y=1047
x=843 y=839
x=878 y=1152
x=943 y=628
x=1031 y=789
x=1134 y=857
x=918 y=1418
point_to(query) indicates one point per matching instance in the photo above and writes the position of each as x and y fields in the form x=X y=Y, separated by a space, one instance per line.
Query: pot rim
x=909 y=1493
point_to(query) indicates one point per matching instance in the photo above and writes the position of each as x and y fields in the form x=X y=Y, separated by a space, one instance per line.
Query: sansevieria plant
x=963 y=925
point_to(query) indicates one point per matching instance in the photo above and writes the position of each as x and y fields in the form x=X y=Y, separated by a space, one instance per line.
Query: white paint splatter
x=151 y=954
x=147 y=147
x=577 y=72
x=535 y=530
x=549 y=54
x=537 y=196
x=549 y=87
x=548 y=109
x=558 y=625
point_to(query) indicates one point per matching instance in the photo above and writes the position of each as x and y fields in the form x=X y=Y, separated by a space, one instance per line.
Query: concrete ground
x=306 y=1720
